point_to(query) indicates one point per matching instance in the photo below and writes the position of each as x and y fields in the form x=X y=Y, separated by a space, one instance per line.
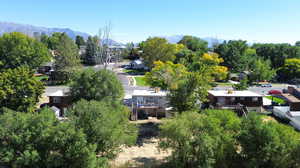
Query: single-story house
x=138 y=64
x=149 y=103
x=61 y=100
x=229 y=99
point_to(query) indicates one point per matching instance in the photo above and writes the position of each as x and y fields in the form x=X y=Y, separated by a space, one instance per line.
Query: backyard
x=276 y=99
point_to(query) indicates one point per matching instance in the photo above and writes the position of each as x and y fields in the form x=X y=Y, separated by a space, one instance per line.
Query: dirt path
x=145 y=153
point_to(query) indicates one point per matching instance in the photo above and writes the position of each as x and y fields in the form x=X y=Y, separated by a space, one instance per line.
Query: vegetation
x=276 y=99
x=39 y=140
x=217 y=138
x=92 y=50
x=243 y=85
x=155 y=49
x=96 y=85
x=140 y=81
x=79 y=41
x=105 y=124
x=290 y=70
x=20 y=90
x=17 y=49
x=67 y=60
x=261 y=70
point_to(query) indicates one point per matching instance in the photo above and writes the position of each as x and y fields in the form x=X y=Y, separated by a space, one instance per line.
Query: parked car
x=275 y=92
x=266 y=85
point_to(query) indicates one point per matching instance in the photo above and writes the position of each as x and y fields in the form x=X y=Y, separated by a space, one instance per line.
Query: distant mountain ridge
x=30 y=30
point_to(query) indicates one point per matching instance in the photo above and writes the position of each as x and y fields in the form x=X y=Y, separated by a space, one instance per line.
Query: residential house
x=138 y=64
x=60 y=99
x=46 y=68
x=229 y=99
x=149 y=103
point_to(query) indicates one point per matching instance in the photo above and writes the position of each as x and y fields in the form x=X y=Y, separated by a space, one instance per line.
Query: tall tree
x=233 y=53
x=261 y=70
x=17 y=49
x=167 y=75
x=79 y=41
x=40 y=140
x=202 y=140
x=105 y=125
x=19 y=90
x=268 y=144
x=195 y=44
x=277 y=53
x=100 y=85
x=157 y=49
x=290 y=70
x=92 y=51
x=67 y=60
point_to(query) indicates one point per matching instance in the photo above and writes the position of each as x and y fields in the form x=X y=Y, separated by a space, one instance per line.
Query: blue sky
x=135 y=20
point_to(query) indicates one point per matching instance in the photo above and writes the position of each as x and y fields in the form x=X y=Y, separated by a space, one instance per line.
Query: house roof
x=58 y=93
x=290 y=98
x=148 y=93
x=226 y=93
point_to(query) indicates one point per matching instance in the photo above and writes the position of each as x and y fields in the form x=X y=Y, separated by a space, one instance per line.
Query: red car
x=275 y=92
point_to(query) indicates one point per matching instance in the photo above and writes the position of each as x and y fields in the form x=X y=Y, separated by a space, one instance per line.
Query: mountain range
x=30 y=30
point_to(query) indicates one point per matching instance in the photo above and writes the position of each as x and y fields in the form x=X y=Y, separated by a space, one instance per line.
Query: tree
x=157 y=49
x=92 y=51
x=54 y=40
x=105 y=125
x=207 y=139
x=79 y=41
x=167 y=75
x=191 y=92
x=234 y=54
x=297 y=43
x=243 y=85
x=213 y=61
x=67 y=60
x=290 y=70
x=17 y=49
x=277 y=53
x=194 y=44
x=268 y=144
x=100 y=85
x=19 y=89
x=40 y=140
x=262 y=71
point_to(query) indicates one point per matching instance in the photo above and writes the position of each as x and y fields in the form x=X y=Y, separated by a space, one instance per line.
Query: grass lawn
x=140 y=81
x=41 y=77
x=276 y=99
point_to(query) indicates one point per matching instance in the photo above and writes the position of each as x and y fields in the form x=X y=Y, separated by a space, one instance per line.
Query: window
x=232 y=98
x=56 y=99
x=242 y=98
x=255 y=99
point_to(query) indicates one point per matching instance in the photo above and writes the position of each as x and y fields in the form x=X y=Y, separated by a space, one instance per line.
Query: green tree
x=17 y=49
x=67 y=60
x=234 y=54
x=243 y=85
x=268 y=144
x=192 y=91
x=297 y=43
x=19 y=89
x=261 y=70
x=207 y=139
x=79 y=41
x=290 y=70
x=54 y=40
x=277 y=53
x=157 y=49
x=100 y=85
x=194 y=44
x=92 y=51
x=167 y=75
x=40 y=140
x=105 y=125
